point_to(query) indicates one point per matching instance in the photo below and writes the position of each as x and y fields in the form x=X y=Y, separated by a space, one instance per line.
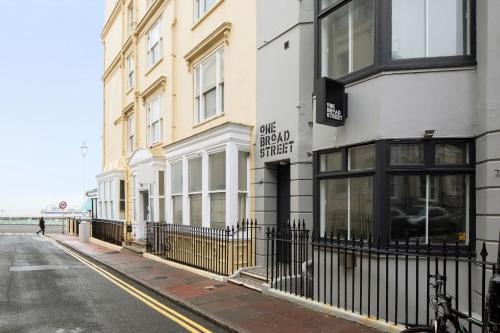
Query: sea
x=18 y=221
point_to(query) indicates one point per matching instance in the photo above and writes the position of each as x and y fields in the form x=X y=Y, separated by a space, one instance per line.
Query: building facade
x=179 y=112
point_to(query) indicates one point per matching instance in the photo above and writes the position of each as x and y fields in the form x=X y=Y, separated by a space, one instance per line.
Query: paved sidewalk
x=233 y=306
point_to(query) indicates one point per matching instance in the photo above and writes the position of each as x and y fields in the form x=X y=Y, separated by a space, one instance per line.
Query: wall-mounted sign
x=331 y=102
x=273 y=142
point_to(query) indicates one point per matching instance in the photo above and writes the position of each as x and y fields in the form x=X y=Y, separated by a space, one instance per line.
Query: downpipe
x=492 y=321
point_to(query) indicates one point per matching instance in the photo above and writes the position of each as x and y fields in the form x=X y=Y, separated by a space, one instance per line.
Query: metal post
x=492 y=320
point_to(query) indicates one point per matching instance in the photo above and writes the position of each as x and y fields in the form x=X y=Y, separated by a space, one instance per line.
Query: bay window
x=161 y=195
x=209 y=87
x=154 y=44
x=195 y=191
x=421 y=189
x=217 y=189
x=154 y=120
x=176 y=181
x=357 y=38
x=242 y=185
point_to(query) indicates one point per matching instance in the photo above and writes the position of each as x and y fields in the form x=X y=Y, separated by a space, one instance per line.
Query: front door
x=283 y=212
x=144 y=213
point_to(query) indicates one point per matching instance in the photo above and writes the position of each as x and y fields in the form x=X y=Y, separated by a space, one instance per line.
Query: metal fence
x=387 y=281
x=221 y=251
x=108 y=230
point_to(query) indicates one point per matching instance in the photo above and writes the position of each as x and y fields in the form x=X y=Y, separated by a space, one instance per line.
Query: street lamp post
x=84 y=150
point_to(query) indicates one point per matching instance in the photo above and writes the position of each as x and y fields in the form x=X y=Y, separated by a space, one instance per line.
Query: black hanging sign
x=331 y=102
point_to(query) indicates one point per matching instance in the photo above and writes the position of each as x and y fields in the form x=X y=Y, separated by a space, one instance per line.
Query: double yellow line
x=171 y=314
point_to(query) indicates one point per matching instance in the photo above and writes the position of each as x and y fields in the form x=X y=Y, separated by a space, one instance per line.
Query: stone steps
x=250 y=278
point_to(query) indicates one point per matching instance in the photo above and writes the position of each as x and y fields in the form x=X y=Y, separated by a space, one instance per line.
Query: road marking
x=41 y=268
x=171 y=314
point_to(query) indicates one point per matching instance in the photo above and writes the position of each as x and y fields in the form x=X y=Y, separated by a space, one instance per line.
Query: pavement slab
x=234 y=306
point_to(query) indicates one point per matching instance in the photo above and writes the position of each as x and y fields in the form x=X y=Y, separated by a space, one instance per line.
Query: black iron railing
x=387 y=282
x=221 y=251
x=108 y=230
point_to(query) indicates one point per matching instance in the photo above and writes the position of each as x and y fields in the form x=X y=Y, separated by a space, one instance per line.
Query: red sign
x=63 y=205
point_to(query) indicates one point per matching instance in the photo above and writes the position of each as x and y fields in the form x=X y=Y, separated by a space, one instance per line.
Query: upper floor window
x=201 y=7
x=130 y=134
x=360 y=37
x=424 y=28
x=154 y=119
x=130 y=71
x=130 y=18
x=347 y=39
x=209 y=87
x=154 y=44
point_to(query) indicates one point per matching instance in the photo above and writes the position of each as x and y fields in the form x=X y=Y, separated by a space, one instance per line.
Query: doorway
x=143 y=213
x=283 y=211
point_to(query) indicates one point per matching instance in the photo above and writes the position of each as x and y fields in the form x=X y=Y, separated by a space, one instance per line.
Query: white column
x=185 y=197
x=169 y=216
x=205 y=198
x=231 y=184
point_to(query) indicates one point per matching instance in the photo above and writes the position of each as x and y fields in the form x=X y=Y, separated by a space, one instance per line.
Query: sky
x=50 y=101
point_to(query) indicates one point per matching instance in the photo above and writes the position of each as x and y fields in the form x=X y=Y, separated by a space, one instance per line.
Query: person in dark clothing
x=41 y=224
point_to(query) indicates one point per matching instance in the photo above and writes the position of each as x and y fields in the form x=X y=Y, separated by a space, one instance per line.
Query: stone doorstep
x=248 y=282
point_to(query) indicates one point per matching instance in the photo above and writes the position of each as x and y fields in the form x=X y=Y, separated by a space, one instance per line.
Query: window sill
x=207 y=120
x=206 y=14
x=156 y=145
x=150 y=69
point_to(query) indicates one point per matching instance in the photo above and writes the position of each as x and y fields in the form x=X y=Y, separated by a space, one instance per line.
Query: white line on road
x=41 y=268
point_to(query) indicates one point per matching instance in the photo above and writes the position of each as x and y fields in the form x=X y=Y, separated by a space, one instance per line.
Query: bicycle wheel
x=417 y=329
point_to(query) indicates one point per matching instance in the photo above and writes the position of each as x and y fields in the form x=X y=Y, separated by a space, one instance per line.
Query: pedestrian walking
x=41 y=224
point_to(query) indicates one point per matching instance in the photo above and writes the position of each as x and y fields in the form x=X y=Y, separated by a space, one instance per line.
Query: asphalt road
x=45 y=289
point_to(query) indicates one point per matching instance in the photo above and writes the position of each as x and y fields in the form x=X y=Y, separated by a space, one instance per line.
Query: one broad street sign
x=63 y=205
x=331 y=102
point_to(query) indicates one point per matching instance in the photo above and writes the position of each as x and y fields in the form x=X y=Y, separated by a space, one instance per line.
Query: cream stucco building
x=179 y=88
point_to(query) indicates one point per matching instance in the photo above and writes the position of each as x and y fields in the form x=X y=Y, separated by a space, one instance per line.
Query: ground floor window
x=217 y=189
x=397 y=190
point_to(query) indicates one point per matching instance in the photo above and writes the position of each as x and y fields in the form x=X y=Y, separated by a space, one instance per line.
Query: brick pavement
x=230 y=305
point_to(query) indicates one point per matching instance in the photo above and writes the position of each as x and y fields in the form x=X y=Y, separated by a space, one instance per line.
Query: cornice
x=128 y=109
x=160 y=82
x=116 y=62
x=221 y=33
x=150 y=14
x=111 y=19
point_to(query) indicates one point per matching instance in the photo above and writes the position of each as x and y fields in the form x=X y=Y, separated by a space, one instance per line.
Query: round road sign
x=63 y=205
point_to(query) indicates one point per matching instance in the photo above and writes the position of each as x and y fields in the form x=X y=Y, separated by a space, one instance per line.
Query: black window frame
x=382 y=60
x=381 y=184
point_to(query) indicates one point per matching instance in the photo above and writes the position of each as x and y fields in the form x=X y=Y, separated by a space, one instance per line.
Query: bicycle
x=444 y=313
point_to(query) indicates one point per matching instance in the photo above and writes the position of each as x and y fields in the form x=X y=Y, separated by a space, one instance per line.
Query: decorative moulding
x=128 y=109
x=221 y=33
x=149 y=16
x=111 y=19
x=159 y=83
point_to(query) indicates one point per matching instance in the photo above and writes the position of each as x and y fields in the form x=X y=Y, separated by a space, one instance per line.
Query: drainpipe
x=172 y=73
x=492 y=320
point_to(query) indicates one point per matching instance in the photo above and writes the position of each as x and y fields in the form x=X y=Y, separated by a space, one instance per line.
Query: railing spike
x=484 y=252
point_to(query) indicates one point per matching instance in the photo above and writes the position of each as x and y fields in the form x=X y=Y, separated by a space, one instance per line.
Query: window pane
x=217 y=171
x=347 y=39
x=333 y=207
x=162 y=209
x=408 y=216
x=362 y=157
x=361 y=207
x=161 y=183
x=210 y=104
x=177 y=209
x=218 y=210
x=176 y=169
x=242 y=170
x=331 y=161
x=221 y=56
x=407 y=154
x=451 y=153
x=209 y=77
x=242 y=206
x=423 y=28
x=447 y=211
x=195 y=210
x=194 y=166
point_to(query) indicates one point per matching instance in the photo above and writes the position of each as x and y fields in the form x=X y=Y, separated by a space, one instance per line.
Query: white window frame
x=154 y=48
x=200 y=8
x=154 y=121
x=199 y=93
x=200 y=192
x=178 y=194
x=130 y=71
x=244 y=192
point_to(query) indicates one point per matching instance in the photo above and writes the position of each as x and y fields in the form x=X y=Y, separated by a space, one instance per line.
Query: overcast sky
x=50 y=101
